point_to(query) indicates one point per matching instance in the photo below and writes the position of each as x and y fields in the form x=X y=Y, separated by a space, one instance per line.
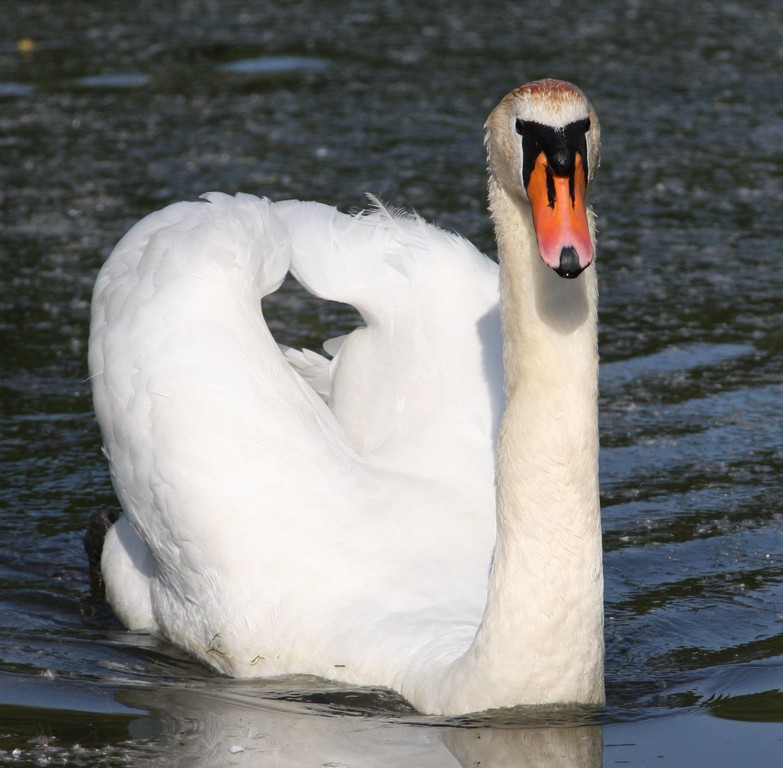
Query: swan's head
x=542 y=148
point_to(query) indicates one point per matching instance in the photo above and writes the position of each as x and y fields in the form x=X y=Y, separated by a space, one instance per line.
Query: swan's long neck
x=541 y=635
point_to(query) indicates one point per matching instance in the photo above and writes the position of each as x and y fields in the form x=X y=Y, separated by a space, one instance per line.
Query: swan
x=417 y=509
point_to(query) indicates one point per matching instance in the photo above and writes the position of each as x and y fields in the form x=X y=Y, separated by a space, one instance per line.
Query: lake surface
x=108 y=111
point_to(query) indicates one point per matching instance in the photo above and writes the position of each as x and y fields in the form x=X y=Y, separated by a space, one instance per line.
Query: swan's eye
x=587 y=125
x=520 y=126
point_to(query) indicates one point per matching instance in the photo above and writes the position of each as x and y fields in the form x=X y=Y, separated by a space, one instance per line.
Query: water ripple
x=274 y=65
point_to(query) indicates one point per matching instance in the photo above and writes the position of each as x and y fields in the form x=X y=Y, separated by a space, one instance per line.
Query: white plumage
x=287 y=513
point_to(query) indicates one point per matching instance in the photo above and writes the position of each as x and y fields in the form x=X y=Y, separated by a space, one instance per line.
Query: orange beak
x=560 y=217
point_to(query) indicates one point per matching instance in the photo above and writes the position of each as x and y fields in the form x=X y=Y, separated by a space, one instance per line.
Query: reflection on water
x=237 y=735
x=225 y=723
x=228 y=725
x=111 y=112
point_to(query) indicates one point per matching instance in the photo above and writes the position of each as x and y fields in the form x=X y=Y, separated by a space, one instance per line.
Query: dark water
x=116 y=109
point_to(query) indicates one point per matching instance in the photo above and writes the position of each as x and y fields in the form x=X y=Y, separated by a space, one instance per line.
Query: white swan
x=271 y=530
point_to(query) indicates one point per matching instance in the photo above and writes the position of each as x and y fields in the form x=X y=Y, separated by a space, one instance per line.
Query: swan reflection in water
x=208 y=728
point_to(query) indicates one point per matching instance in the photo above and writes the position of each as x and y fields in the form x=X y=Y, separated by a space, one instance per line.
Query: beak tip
x=570 y=265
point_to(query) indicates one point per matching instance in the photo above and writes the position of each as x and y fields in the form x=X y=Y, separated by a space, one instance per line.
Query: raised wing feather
x=419 y=388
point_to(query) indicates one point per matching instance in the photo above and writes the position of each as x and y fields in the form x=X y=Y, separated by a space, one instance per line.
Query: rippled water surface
x=108 y=111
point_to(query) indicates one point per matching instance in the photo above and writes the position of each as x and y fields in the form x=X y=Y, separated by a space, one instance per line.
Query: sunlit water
x=108 y=114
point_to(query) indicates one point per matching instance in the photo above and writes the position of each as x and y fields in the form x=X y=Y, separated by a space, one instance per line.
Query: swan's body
x=287 y=514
